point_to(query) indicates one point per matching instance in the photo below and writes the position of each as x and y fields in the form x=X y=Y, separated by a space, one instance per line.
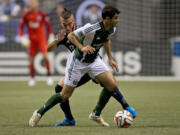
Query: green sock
x=52 y=101
x=103 y=99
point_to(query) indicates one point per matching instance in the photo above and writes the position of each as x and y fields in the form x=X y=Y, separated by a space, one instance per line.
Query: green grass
x=157 y=103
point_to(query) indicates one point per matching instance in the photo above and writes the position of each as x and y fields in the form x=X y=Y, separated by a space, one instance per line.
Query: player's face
x=33 y=4
x=114 y=20
x=68 y=24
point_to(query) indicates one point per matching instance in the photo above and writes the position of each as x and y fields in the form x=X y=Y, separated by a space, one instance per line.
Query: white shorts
x=76 y=69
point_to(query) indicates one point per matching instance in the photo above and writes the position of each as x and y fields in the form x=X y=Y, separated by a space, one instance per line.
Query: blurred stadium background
x=146 y=43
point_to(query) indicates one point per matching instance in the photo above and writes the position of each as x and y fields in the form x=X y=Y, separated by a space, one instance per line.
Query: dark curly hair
x=109 y=11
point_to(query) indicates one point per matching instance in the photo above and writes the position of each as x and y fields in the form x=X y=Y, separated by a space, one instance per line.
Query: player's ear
x=60 y=20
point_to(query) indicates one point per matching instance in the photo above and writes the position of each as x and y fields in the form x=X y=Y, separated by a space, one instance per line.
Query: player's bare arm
x=60 y=36
x=112 y=63
x=52 y=46
x=89 y=49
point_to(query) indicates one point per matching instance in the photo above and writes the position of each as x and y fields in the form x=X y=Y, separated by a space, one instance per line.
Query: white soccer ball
x=123 y=118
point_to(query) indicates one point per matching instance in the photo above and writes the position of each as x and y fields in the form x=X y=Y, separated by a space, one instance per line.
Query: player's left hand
x=25 y=42
x=51 y=38
x=114 y=65
x=89 y=49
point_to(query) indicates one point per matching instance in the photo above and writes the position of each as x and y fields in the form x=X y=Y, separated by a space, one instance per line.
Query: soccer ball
x=123 y=118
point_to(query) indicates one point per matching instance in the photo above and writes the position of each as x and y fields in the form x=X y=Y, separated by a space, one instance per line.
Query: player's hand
x=25 y=42
x=89 y=49
x=51 y=38
x=61 y=35
x=74 y=27
x=114 y=65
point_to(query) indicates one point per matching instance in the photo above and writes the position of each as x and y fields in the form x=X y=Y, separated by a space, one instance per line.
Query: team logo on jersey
x=71 y=47
x=33 y=24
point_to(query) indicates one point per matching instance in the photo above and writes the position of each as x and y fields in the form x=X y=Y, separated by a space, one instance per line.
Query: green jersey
x=94 y=35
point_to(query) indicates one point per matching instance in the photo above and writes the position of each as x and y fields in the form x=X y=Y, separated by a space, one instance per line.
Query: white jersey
x=94 y=35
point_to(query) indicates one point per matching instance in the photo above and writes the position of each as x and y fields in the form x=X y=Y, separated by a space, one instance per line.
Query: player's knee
x=113 y=86
x=65 y=96
x=58 y=88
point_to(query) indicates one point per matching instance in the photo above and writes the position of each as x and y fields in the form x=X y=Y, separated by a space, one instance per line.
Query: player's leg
x=43 y=50
x=72 y=76
x=65 y=106
x=56 y=98
x=47 y=63
x=119 y=97
x=102 y=73
x=69 y=120
x=110 y=83
x=96 y=68
x=32 y=81
x=52 y=101
x=49 y=80
x=116 y=94
x=31 y=52
x=102 y=101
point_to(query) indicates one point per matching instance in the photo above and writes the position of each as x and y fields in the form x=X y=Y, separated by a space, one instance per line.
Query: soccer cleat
x=98 y=119
x=32 y=82
x=49 y=81
x=34 y=119
x=66 y=122
x=132 y=111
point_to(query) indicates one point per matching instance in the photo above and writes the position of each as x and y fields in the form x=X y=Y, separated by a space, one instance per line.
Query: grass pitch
x=157 y=104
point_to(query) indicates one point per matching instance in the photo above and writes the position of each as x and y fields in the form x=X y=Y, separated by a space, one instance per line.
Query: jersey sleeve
x=22 y=22
x=85 y=30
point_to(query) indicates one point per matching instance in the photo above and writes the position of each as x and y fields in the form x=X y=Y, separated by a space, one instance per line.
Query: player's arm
x=72 y=37
x=21 y=26
x=51 y=46
x=107 y=46
x=59 y=37
x=112 y=63
x=76 y=35
x=24 y=41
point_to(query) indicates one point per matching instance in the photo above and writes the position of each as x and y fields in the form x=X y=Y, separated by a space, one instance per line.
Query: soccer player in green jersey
x=85 y=59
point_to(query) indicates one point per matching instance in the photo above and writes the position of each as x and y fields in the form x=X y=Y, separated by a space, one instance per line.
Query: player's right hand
x=89 y=49
x=61 y=35
x=25 y=42
x=114 y=65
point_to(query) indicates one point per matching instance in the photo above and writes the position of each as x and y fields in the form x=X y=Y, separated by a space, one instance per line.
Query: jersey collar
x=102 y=25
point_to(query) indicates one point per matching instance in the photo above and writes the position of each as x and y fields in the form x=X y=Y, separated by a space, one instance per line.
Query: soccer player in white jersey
x=85 y=59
